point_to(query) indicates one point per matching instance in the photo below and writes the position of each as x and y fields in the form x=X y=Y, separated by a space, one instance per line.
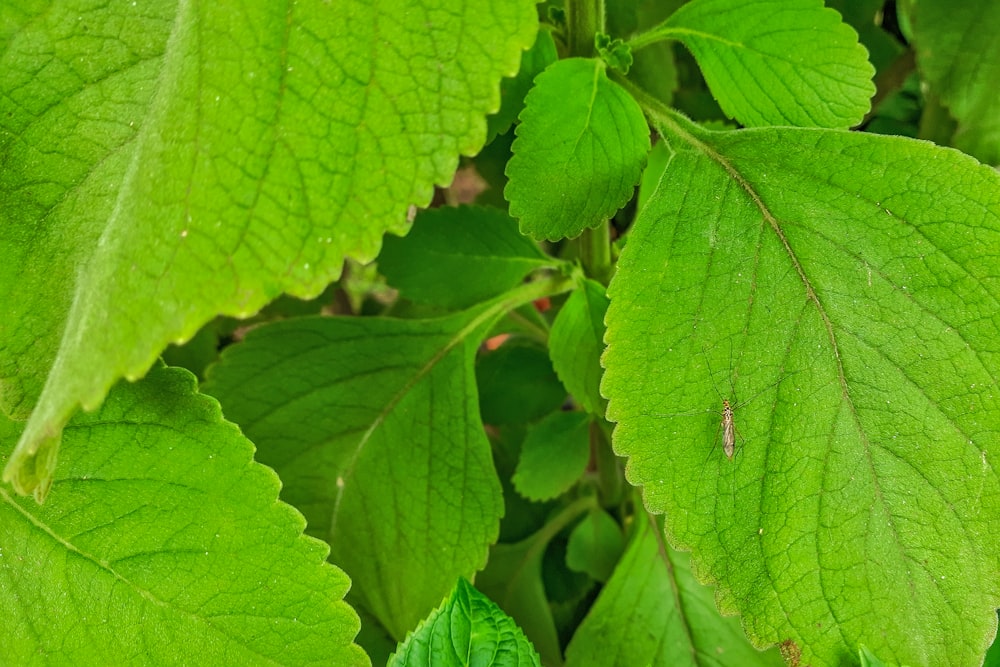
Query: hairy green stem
x=584 y=19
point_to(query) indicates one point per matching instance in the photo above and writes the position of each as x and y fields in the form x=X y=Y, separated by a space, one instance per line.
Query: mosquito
x=727 y=421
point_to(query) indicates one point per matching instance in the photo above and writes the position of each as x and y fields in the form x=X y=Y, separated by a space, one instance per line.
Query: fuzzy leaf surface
x=376 y=435
x=580 y=148
x=841 y=291
x=777 y=62
x=163 y=162
x=163 y=540
x=468 y=630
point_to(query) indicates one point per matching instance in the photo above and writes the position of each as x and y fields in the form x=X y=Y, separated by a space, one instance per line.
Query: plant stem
x=595 y=252
x=609 y=472
x=532 y=291
x=584 y=19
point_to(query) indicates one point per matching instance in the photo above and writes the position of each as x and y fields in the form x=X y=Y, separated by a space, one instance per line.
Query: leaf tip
x=32 y=465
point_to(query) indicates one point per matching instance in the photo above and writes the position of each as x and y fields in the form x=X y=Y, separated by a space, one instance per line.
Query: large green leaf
x=959 y=56
x=581 y=145
x=467 y=630
x=653 y=612
x=165 y=543
x=375 y=431
x=163 y=162
x=775 y=62
x=841 y=292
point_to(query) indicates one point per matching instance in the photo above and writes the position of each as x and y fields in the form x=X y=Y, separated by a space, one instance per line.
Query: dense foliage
x=626 y=312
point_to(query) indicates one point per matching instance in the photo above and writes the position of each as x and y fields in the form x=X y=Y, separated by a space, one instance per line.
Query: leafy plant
x=820 y=300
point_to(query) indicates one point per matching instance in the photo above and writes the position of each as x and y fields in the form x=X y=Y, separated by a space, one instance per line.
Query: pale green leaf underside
x=777 y=62
x=959 y=55
x=164 y=543
x=841 y=291
x=165 y=162
x=653 y=612
x=580 y=148
x=375 y=432
x=467 y=630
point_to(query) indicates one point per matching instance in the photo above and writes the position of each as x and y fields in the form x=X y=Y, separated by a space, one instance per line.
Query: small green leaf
x=840 y=290
x=554 y=455
x=595 y=545
x=776 y=62
x=163 y=542
x=467 y=630
x=457 y=257
x=517 y=384
x=653 y=67
x=163 y=163
x=653 y=612
x=959 y=56
x=576 y=343
x=375 y=433
x=580 y=148
x=614 y=52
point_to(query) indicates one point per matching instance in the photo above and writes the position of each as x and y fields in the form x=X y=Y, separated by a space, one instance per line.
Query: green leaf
x=375 y=433
x=517 y=384
x=513 y=578
x=512 y=91
x=653 y=612
x=653 y=67
x=867 y=18
x=869 y=659
x=775 y=62
x=993 y=655
x=576 y=343
x=659 y=158
x=585 y=139
x=595 y=545
x=840 y=290
x=614 y=52
x=959 y=56
x=457 y=257
x=163 y=163
x=554 y=455
x=165 y=543
x=467 y=630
